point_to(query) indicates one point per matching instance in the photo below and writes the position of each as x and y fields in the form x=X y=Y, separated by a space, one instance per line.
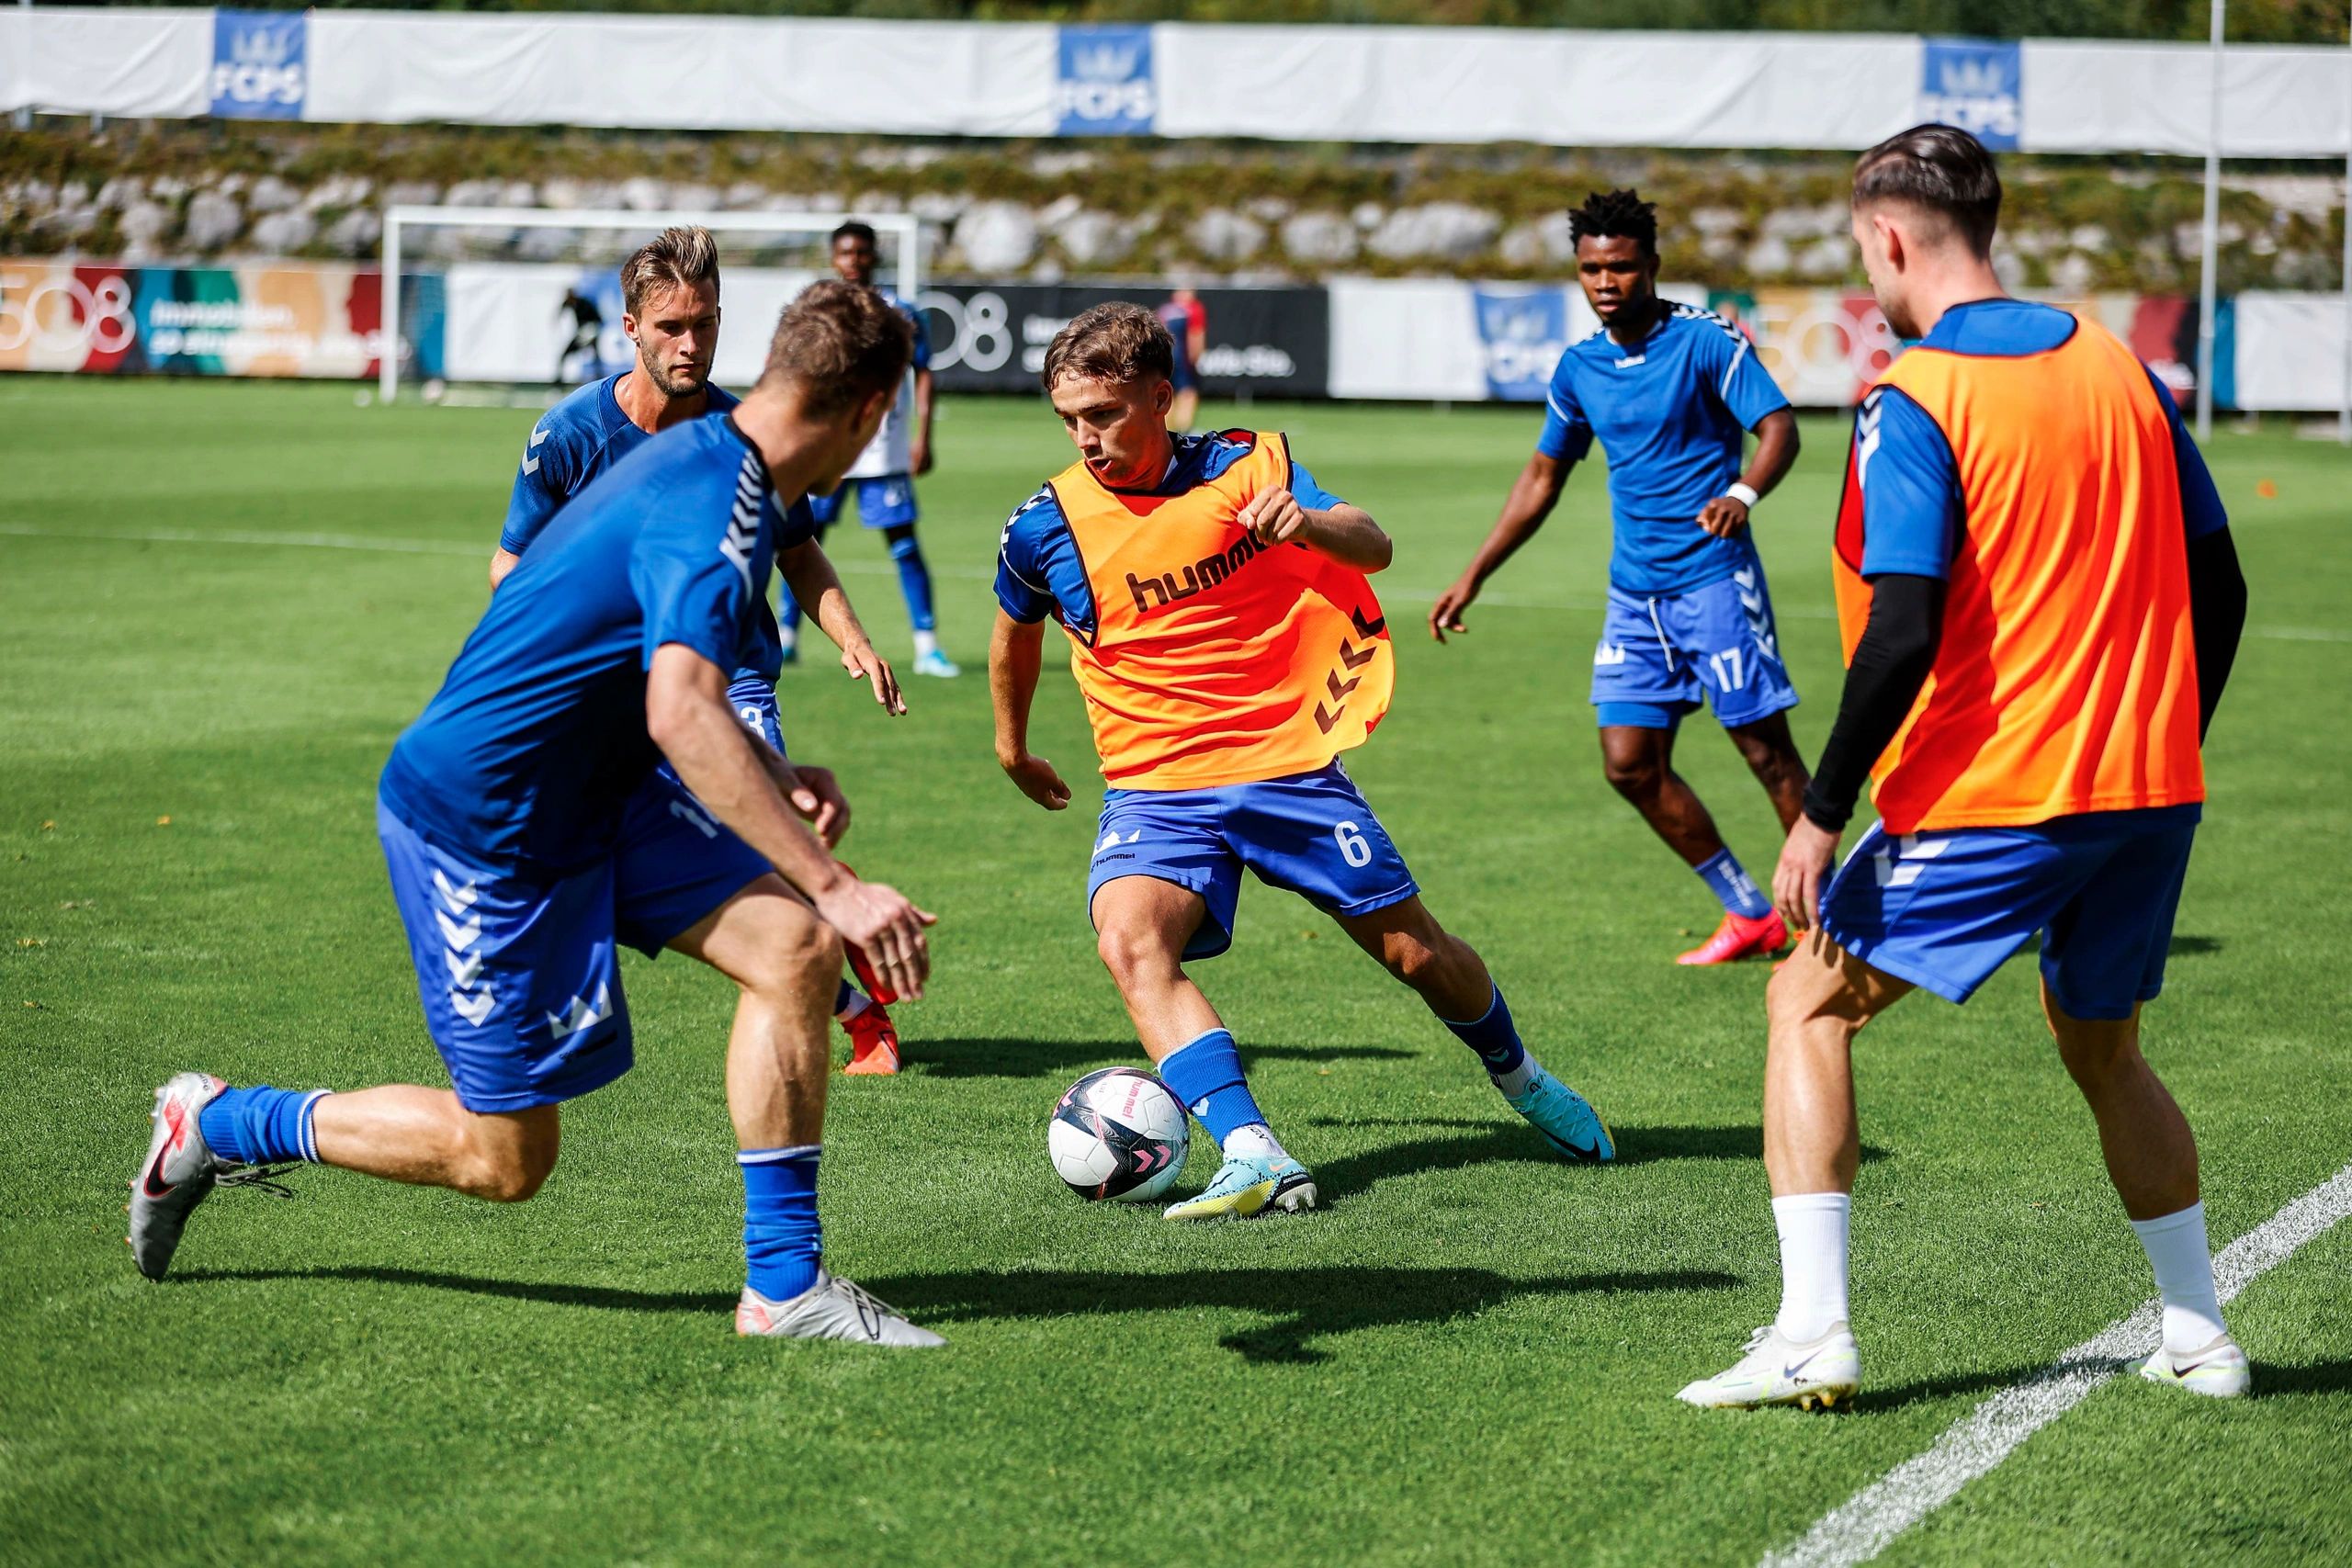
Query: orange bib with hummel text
x=1218 y=661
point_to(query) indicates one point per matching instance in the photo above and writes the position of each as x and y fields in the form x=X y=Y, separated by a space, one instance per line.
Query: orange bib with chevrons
x=1216 y=660
x=2066 y=678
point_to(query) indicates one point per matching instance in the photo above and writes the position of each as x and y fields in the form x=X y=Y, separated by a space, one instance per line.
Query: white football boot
x=2218 y=1371
x=832 y=1308
x=1777 y=1370
x=179 y=1172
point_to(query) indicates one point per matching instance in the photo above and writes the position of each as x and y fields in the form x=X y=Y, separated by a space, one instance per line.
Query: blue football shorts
x=754 y=700
x=1943 y=910
x=1660 y=656
x=884 y=503
x=520 y=977
x=1312 y=834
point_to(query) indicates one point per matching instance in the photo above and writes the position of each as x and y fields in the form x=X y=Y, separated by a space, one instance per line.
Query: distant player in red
x=2040 y=604
x=1187 y=321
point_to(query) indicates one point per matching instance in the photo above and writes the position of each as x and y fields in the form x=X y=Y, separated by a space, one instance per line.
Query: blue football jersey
x=586 y=433
x=537 y=739
x=1669 y=412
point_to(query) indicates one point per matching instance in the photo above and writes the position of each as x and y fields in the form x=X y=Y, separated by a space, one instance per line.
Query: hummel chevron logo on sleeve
x=531 y=458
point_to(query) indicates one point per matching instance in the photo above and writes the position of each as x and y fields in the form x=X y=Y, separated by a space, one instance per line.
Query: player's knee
x=1134 y=954
x=507 y=1173
x=1635 y=777
x=797 y=950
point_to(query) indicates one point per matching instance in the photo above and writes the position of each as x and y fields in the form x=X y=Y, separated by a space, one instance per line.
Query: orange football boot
x=1739 y=938
x=872 y=1043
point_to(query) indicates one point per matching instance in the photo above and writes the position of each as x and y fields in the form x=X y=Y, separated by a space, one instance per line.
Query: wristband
x=1745 y=495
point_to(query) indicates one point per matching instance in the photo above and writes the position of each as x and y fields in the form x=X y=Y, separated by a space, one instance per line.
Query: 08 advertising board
x=1261 y=341
x=319 y=321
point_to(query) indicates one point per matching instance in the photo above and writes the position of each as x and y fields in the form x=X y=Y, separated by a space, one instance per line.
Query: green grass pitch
x=1468 y=1358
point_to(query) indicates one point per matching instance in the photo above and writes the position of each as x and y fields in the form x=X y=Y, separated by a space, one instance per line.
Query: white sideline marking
x=1504 y=601
x=1863 y=1526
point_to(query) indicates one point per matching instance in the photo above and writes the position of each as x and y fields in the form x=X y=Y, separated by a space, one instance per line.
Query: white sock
x=2177 y=1251
x=1812 y=1227
x=1255 y=1139
x=858 y=1002
x=788 y=637
x=926 y=644
x=1516 y=1080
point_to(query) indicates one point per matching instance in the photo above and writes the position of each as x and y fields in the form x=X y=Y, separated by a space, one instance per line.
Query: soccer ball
x=1118 y=1134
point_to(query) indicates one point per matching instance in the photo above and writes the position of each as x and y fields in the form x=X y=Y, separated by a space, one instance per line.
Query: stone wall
x=1047 y=211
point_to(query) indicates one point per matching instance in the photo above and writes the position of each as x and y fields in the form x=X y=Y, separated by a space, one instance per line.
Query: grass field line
x=1865 y=1523
x=1504 y=601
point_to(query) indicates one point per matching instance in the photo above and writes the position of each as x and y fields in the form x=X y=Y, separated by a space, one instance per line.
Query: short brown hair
x=675 y=258
x=1937 y=169
x=839 y=344
x=1114 y=342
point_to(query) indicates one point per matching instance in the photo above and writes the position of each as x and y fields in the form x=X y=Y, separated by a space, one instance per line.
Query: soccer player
x=670 y=291
x=1667 y=388
x=1187 y=321
x=885 y=473
x=529 y=833
x=587 y=334
x=2040 y=604
x=1230 y=648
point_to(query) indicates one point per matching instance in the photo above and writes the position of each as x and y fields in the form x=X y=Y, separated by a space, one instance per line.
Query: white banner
x=1550 y=87
x=115 y=62
x=505 y=322
x=684 y=72
x=2291 y=351
x=1555 y=88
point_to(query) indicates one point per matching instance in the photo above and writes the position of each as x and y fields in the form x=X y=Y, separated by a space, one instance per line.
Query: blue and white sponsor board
x=259 y=64
x=1522 y=334
x=1103 y=84
x=1976 y=84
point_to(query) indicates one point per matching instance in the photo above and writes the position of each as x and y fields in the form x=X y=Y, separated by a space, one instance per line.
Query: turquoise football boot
x=1250 y=1184
x=1566 y=1117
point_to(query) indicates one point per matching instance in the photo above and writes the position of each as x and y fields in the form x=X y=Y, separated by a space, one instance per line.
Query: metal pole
x=25 y=111
x=2344 y=410
x=387 y=352
x=2206 y=304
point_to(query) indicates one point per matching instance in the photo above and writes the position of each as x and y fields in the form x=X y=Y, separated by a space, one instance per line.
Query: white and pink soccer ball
x=1118 y=1134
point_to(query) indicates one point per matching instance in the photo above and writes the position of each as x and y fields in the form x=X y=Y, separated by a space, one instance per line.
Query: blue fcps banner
x=1522 y=334
x=1104 y=86
x=1976 y=84
x=257 y=64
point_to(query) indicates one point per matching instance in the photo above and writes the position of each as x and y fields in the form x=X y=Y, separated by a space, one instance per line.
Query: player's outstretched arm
x=689 y=718
x=809 y=572
x=1776 y=450
x=1532 y=496
x=1015 y=649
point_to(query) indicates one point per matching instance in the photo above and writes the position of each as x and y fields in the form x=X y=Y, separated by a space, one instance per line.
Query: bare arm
x=1532 y=496
x=1346 y=534
x=809 y=572
x=688 y=717
x=1776 y=450
x=919 y=448
x=504 y=561
x=1015 y=649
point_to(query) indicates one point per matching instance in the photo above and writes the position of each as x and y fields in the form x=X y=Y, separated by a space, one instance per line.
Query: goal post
x=901 y=233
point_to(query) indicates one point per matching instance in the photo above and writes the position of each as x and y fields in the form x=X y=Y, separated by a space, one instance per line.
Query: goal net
x=485 y=298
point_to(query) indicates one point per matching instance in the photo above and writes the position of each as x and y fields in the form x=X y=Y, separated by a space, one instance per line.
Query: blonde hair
x=676 y=258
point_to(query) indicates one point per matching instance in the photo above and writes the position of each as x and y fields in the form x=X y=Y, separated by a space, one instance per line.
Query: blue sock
x=782 y=1239
x=262 y=1126
x=1740 y=896
x=1205 y=1074
x=914 y=581
x=841 y=997
x=788 y=614
x=1493 y=1036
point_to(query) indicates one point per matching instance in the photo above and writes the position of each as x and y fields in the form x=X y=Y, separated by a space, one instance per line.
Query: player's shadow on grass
x=1489 y=1143
x=1308 y=1305
x=1014 y=1058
